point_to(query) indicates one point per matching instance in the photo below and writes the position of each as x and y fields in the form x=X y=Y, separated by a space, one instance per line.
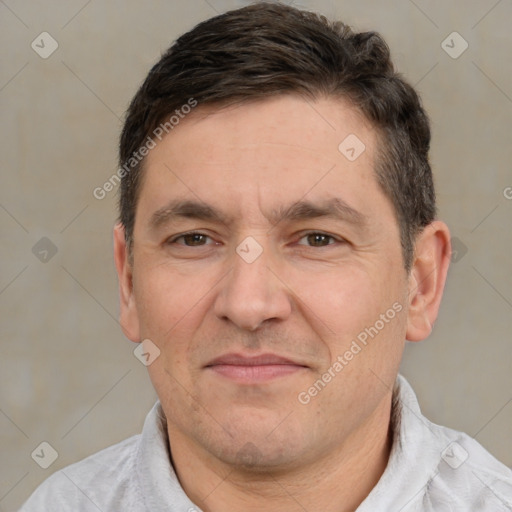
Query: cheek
x=354 y=303
x=167 y=302
x=170 y=309
x=341 y=299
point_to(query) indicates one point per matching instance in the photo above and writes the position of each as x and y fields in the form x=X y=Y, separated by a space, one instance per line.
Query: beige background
x=67 y=375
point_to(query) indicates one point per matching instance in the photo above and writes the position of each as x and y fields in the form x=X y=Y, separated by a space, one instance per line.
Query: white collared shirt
x=430 y=469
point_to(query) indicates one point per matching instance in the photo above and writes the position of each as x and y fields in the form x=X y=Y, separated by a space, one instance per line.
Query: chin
x=260 y=444
x=253 y=458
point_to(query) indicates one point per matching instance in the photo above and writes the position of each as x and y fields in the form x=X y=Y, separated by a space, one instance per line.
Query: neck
x=336 y=482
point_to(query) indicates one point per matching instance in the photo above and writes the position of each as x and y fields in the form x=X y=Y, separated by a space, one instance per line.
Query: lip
x=251 y=369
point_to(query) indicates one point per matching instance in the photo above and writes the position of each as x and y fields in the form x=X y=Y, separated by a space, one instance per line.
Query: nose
x=252 y=294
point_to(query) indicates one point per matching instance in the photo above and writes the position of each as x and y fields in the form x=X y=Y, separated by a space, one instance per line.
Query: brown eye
x=190 y=239
x=194 y=239
x=317 y=239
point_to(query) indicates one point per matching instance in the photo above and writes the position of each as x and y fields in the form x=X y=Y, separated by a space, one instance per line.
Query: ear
x=128 y=317
x=427 y=279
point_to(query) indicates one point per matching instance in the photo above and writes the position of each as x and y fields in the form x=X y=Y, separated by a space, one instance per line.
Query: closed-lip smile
x=253 y=369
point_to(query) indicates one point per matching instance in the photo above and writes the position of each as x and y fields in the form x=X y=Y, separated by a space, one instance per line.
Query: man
x=277 y=245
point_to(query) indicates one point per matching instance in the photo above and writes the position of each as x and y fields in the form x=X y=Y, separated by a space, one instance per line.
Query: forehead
x=314 y=126
x=266 y=152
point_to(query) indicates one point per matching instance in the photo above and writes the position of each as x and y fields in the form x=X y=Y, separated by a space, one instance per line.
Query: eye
x=192 y=239
x=318 y=239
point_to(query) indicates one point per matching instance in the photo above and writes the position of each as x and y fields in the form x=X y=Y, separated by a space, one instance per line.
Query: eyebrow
x=335 y=208
x=188 y=210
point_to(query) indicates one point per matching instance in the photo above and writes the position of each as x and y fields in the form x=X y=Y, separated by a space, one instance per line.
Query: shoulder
x=94 y=483
x=468 y=476
x=446 y=469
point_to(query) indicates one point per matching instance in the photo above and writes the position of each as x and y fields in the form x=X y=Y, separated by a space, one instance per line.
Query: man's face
x=265 y=296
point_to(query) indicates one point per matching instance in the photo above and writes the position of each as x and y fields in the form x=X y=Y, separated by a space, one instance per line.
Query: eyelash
x=309 y=233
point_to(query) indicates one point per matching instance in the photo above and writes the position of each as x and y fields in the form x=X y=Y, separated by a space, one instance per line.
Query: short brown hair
x=266 y=50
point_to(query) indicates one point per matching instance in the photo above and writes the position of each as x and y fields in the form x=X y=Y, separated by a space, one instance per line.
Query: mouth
x=254 y=369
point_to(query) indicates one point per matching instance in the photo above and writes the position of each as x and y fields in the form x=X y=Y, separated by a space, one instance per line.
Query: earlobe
x=427 y=279
x=128 y=316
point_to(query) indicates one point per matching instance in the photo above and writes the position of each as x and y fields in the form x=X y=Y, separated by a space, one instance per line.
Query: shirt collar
x=160 y=488
x=414 y=457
